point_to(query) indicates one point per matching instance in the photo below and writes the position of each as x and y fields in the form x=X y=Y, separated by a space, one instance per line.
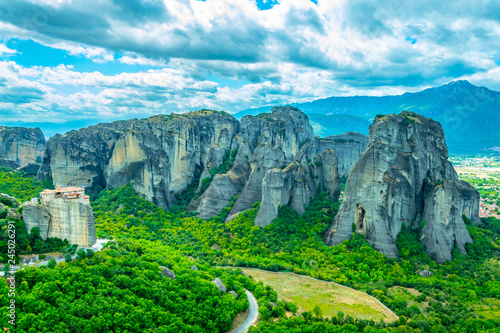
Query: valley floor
x=308 y=292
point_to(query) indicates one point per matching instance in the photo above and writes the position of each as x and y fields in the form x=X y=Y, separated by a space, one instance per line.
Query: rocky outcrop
x=297 y=184
x=30 y=169
x=426 y=273
x=168 y=273
x=264 y=158
x=162 y=155
x=274 y=138
x=218 y=283
x=347 y=147
x=159 y=154
x=64 y=213
x=270 y=140
x=404 y=176
x=224 y=187
x=9 y=164
x=21 y=145
x=286 y=128
x=10 y=201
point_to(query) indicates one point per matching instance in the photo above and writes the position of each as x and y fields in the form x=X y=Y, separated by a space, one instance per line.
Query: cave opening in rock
x=360 y=219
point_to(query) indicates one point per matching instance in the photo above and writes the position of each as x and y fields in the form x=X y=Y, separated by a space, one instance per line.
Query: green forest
x=121 y=289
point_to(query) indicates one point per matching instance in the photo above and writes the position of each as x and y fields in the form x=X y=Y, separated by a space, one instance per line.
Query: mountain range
x=470 y=115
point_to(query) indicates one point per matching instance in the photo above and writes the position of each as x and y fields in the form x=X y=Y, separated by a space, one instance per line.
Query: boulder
x=234 y=294
x=167 y=273
x=426 y=273
x=218 y=283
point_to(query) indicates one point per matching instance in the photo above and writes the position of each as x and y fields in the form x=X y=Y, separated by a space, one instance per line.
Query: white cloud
x=5 y=51
x=296 y=51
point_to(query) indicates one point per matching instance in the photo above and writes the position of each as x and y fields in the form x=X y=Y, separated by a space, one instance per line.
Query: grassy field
x=331 y=298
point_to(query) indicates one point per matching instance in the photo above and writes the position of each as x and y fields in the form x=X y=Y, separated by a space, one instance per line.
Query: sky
x=71 y=63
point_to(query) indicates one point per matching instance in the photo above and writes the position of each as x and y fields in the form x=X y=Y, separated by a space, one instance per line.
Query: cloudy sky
x=79 y=62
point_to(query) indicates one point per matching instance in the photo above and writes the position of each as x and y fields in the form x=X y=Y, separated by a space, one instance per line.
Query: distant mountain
x=470 y=115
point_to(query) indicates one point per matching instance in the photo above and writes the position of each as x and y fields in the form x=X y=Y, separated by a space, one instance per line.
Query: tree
x=317 y=311
x=38 y=245
x=51 y=264
x=6 y=269
x=67 y=258
x=80 y=254
x=90 y=253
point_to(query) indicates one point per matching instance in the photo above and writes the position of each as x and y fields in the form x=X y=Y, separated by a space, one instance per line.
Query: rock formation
x=5 y=163
x=168 y=273
x=20 y=145
x=159 y=154
x=266 y=141
x=405 y=177
x=164 y=154
x=347 y=147
x=223 y=187
x=64 y=213
x=297 y=184
x=218 y=283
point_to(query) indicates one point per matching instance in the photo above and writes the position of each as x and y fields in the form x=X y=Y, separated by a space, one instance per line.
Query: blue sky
x=65 y=63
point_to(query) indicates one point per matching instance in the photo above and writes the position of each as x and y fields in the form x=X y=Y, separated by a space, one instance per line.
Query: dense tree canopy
x=122 y=288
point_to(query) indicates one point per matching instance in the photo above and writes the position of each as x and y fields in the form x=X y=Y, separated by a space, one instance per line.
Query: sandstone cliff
x=274 y=139
x=405 y=177
x=64 y=213
x=159 y=154
x=347 y=147
x=297 y=184
x=164 y=154
x=21 y=145
x=270 y=140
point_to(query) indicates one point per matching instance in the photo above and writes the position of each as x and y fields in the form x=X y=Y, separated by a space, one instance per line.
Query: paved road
x=253 y=312
x=96 y=247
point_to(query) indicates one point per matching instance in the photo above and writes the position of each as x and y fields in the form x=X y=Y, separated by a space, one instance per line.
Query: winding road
x=253 y=312
x=253 y=307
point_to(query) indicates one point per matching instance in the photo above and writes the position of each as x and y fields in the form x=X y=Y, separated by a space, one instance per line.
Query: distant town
x=483 y=172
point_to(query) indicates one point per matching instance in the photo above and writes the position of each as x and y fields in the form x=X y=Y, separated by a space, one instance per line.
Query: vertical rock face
x=285 y=128
x=405 y=177
x=264 y=158
x=325 y=171
x=347 y=147
x=270 y=142
x=159 y=154
x=274 y=139
x=224 y=187
x=136 y=158
x=21 y=145
x=164 y=154
x=64 y=213
x=297 y=184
